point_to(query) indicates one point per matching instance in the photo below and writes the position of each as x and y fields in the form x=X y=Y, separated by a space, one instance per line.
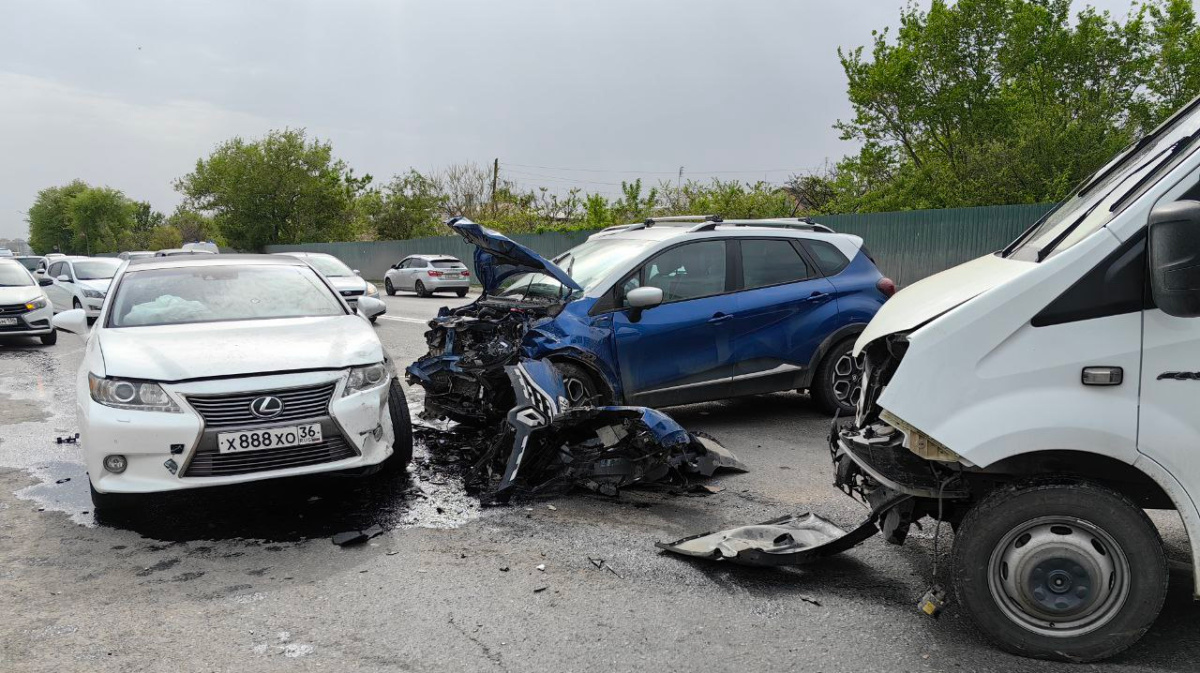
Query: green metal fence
x=907 y=245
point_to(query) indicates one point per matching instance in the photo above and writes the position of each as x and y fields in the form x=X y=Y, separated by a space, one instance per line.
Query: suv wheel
x=1067 y=571
x=838 y=380
x=582 y=388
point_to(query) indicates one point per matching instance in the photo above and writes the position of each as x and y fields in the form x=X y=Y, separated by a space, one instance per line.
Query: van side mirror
x=1174 y=252
x=641 y=299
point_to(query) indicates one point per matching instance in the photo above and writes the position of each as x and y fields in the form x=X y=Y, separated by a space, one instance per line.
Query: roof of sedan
x=176 y=261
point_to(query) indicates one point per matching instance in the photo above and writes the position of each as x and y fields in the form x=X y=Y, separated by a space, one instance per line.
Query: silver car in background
x=426 y=274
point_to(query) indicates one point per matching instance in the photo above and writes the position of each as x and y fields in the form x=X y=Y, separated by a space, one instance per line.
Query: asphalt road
x=248 y=580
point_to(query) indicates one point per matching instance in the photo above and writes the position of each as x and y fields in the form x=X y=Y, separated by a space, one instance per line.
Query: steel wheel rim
x=1059 y=576
x=847 y=379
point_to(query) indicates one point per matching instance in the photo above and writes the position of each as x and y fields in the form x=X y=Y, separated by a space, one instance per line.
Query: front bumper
x=30 y=323
x=865 y=458
x=165 y=451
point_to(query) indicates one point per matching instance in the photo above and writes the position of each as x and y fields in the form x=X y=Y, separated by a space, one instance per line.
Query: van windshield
x=1110 y=189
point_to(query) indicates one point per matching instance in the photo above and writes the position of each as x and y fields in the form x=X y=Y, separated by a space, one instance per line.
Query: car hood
x=498 y=257
x=340 y=283
x=931 y=297
x=183 y=352
x=100 y=284
x=19 y=295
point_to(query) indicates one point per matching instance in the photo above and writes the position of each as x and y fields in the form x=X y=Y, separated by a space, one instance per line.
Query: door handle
x=817 y=296
x=719 y=318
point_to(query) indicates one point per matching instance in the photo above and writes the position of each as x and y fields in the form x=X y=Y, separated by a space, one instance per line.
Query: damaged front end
x=879 y=457
x=548 y=447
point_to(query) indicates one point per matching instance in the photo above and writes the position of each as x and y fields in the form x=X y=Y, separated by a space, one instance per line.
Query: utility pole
x=679 y=182
x=495 y=177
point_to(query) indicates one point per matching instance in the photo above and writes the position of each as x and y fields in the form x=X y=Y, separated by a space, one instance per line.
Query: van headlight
x=131 y=395
x=365 y=378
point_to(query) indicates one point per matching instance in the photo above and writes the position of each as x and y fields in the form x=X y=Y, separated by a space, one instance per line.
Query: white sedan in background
x=80 y=282
x=205 y=370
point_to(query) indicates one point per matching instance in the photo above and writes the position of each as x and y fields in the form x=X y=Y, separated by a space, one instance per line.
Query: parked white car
x=24 y=308
x=426 y=274
x=205 y=370
x=344 y=279
x=80 y=282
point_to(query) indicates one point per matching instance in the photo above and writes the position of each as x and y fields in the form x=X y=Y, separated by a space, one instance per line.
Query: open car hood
x=498 y=257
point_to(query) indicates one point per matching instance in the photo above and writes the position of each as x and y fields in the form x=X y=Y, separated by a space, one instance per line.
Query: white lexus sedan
x=206 y=370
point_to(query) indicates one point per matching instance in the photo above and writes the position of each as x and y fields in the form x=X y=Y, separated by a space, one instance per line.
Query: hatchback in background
x=302 y=384
x=344 y=279
x=426 y=274
x=24 y=308
x=80 y=282
x=136 y=254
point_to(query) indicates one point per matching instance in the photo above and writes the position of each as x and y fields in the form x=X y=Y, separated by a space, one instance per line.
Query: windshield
x=330 y=267
x=30 y=263
x=1109 y=190
x=14 y=275
x=586 y=264
x=96 y=269
x=219 y=293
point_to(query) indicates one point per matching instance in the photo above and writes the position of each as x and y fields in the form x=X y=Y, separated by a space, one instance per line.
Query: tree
x=1006 y=101
x=410 y=206
x=282 y=188
x=164 y=237
x=194 y=226
x=99 y=216
x=49 y=222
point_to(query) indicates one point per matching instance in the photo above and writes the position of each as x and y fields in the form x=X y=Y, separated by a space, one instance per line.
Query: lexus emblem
x=266 y=407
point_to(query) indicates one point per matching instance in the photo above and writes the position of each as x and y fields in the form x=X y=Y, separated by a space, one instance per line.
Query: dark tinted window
x=828 y=257
x=446 y=263
x=418 y=264
x=688 y=271
x=56 y=269
x=771 y=263
x=30 y=263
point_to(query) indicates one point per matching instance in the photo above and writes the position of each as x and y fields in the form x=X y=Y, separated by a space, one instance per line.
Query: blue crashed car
x=665 y=312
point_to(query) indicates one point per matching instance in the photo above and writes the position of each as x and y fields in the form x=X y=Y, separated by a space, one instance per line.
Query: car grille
x=13 y=309
x=231 y=411
x=210 y=463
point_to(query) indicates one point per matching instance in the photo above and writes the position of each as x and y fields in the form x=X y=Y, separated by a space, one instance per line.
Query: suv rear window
x=829 y=259
x=446 y=263
x=771 y=262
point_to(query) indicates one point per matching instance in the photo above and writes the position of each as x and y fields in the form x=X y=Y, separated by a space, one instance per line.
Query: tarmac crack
x=488 y=652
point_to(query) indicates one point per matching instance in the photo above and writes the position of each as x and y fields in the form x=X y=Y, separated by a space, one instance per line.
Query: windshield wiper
x=1167 y=152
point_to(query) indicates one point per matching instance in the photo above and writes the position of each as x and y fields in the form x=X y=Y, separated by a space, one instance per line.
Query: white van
x=1039 y=398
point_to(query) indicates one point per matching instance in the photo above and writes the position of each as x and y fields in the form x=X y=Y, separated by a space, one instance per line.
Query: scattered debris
x=814 y=601
x=541 y=567
x=552 y=508
x=601 y=564
x=787 y=540
x=350 y=537
x=69 y=439
x=538 y=590
x=504 y=568
x=933 y=602
x=374 y=531
x=63 y=480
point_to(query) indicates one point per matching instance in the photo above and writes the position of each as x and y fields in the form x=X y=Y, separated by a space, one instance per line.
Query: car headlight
x=371 y=289
x=35 y=304
x=365 y=378
x=93 y=294
x=133 y=395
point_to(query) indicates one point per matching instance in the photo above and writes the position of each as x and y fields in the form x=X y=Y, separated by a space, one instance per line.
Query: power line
x=645 y=172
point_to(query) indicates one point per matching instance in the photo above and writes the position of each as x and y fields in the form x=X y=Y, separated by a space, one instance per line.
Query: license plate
x=270 y=438
x=8 y=322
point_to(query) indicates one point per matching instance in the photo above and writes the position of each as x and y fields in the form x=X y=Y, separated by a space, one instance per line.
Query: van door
x=682 y=350
x=785 y=308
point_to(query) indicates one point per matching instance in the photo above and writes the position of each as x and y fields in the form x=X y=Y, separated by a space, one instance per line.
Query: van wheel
x=838 y=380
x=111 y=503
x=1073 y=572
x=402 y=443
x=49 y=339
x=421 y=291
x=582 y=388
x=388 y=287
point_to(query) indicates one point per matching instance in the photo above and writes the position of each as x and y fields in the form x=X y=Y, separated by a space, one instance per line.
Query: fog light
x=115 y=463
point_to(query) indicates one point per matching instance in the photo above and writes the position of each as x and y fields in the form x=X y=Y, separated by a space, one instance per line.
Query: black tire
x=420 y=288
x=402 y=446
x=49 y=339
x=75 y=303
x=111 y=503
x=1018 y=524
x=833 y=389
x=387 y=287
x=461 y=293
x=373 y=319
x=582 y=387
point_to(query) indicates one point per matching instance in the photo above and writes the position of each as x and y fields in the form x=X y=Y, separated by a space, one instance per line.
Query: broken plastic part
x=788 y=540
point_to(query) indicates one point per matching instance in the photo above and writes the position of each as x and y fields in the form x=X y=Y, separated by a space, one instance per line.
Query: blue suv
x=669 y=311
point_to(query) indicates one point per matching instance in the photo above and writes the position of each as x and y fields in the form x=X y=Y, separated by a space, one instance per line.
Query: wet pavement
x=247 y=578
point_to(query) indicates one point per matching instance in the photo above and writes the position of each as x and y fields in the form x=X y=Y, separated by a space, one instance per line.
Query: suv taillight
x=887 y=286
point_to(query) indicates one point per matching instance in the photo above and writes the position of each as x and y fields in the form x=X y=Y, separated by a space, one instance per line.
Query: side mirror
x=356 y=272
x=1173 y=243
x=641 y=299
x=369 y=307
x=43 y=281
x=64 y=278
x=73 y=321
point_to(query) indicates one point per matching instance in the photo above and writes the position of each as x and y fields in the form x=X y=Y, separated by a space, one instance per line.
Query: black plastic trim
x=1115 y=286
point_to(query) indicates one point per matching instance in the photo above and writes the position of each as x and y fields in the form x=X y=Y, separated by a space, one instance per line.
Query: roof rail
x=651 y=221
x=802 y=223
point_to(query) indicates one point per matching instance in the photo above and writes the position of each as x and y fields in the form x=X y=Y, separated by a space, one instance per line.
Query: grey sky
x=130 y=94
